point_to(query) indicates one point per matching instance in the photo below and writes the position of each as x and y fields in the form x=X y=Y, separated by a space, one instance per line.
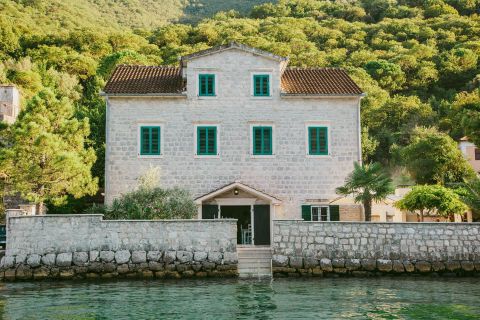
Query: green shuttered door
x=209 y=211
x=334 y=213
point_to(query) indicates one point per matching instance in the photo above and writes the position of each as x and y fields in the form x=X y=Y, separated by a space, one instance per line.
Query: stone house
x=248 y=136
x=471 y=152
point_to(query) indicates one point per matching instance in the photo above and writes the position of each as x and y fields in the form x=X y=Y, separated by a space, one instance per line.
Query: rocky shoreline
x=283 y=266
x=122 y=263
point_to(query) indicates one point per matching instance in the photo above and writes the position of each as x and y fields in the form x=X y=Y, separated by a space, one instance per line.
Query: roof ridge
x=148 y=66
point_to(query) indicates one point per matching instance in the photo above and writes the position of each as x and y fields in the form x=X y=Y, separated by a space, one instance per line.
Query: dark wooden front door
x=261 y=223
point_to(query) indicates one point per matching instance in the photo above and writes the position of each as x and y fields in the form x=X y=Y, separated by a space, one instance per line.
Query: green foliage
x=152 y=203
x=45 y=158
x=467 y=110
x=428 y=199
x=367 y=183
x=433 y=157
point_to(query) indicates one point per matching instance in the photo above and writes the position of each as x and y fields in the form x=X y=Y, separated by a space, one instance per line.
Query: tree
x=428 y=199
x=45 y=159
x=433 y=157
x=467 y=105
x=367 y=183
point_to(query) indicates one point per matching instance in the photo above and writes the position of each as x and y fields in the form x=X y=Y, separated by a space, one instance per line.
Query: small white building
x=9 y=103
x=471 y=152
x=248 y=136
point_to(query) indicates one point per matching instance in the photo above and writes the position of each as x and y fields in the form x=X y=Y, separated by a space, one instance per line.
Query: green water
x=370 y=298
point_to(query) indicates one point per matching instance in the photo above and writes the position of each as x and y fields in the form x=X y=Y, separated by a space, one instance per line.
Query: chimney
x=9 y=103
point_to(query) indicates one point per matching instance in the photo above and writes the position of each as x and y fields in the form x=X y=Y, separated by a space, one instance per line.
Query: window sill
x=262 y=156
x=206 y=97
x=146 y=156
x=261 y=97
x=319 y=156
x=199 y=156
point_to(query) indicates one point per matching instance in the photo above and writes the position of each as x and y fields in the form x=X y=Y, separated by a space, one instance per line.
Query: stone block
x=24 y=272
x=109 y=267
x=80 y=258
x=34 y=260
x=49 y=259
x=41 y=273
x=296 y=262
x=353 y=264
x=184 y=256
x=338 y=263
x=369 y=264
x=170 y=256
x=154 y=256
x=397 y=266
x=139 y=256
x=384 y=265
x=64 y=259
x=67 y=273
x=93 y=256
x=326 y=265
x=9 y=262
x=155 y=266
x=207 y=266
x=95 y=267
x=409 y=266
x=438 y=266
x=122 y=256
x=123 y=268
x=20 y=259
x=215 y=257
x=279 y=260
x=452 y=265
x=200 y=256
x=423 y=266
x=107 y=256
x=310 y=262
x=467 y=266
x=230 y=258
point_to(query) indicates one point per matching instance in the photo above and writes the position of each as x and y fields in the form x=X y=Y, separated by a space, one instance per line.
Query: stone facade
x=289 y=175
x=316 y=248
x=47 y=247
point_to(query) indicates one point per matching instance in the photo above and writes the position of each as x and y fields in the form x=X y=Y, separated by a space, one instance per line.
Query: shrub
x=152 y=203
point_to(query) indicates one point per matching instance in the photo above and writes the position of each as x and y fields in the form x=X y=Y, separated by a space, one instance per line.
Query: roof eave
x=160 y=95
x=320 y=95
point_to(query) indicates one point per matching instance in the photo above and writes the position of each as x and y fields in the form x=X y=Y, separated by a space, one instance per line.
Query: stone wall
x=86 y=246
x=289 y=175
x=316 y=248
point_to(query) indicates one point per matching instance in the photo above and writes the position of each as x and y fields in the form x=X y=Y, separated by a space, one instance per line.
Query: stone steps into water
x=254 y=262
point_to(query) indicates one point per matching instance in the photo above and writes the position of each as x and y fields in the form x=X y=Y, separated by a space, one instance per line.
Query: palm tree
x=367 y=183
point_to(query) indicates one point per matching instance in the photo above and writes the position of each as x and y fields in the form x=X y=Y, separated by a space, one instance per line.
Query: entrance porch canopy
x=242 y=187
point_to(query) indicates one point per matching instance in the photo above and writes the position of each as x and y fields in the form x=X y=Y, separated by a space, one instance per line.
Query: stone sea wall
x=86 y=246
x=303 y=248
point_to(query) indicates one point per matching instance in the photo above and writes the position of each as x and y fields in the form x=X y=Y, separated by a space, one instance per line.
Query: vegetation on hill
x=417 y=60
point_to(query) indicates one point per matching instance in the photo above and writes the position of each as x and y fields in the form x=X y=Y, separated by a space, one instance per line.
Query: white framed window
x=207 y=84
x=262 y=140
x=150 y=139
x=206 y=140
x=320 y=213
x=318 y=139
x=261 y=84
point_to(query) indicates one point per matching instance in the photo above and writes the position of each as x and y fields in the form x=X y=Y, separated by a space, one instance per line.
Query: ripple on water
x=370 y=298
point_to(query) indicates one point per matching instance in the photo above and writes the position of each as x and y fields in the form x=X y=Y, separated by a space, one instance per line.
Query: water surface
x=369 y=298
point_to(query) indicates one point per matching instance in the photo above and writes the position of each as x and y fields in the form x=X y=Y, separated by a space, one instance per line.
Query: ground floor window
x=320 y=213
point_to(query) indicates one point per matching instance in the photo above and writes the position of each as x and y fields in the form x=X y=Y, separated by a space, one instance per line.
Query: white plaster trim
x=200 y=71
x=236 y=201
x=252 y=85
x=241 y=186
x=150 y=123
x=316 y=123
x=274 y=139
x=195 y=140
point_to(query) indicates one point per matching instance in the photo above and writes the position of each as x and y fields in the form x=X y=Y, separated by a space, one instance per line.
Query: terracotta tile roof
x=318 y=81
x=145 y=79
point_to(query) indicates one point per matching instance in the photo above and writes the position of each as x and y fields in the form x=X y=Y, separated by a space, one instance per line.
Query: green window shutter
x=318 y=140
x=334 y=213
x=262 y=140
x=150 y=140
x=261 y=85
x=206 y=85
x=307 y=212
x=207 y=140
